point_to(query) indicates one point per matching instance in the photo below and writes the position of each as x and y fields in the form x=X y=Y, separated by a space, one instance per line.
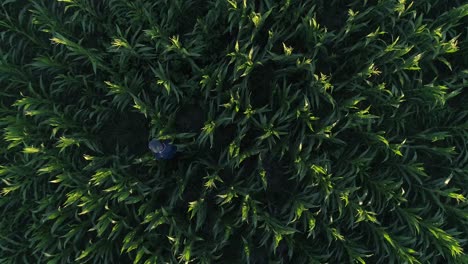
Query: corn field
x=306 y=131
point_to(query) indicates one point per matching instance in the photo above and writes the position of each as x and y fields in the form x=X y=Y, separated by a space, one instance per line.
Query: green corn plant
x=306 y=131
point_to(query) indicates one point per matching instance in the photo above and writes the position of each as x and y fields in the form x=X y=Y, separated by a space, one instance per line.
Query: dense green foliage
x=308 y=131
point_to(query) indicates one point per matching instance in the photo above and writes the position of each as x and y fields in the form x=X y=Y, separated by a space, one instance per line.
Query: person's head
x=156 y=146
